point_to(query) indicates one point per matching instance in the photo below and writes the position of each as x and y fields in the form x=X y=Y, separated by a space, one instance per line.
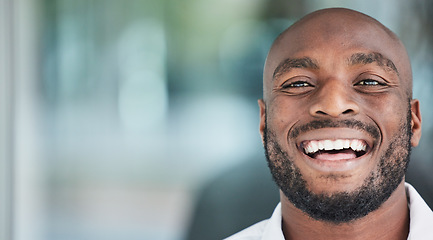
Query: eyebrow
x=374 y=57
x=290 y=63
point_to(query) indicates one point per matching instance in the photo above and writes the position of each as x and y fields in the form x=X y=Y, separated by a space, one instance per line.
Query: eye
x=370 y=82
x=297 y=84
x=297 y=87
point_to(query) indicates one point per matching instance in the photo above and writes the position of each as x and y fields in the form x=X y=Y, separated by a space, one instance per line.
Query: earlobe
x=416 y=122
x=262 y=107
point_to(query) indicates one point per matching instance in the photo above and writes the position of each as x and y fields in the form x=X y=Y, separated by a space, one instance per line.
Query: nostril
x=348 y=111
x=323 y=113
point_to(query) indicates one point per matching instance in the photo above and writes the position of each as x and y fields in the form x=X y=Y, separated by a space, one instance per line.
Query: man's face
x=337 y=116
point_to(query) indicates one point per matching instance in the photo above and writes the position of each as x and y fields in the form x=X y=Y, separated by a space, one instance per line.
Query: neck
x=390 y=221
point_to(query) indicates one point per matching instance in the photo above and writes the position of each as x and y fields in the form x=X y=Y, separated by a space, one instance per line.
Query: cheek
x=388 y=112
x=283 y=113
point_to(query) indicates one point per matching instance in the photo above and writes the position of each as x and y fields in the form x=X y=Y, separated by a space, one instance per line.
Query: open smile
x=335 y=149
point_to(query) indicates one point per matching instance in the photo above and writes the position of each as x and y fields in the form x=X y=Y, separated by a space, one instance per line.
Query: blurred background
x=138 y=119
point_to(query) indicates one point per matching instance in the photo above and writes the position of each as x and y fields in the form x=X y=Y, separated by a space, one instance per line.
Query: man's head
x=337 y=116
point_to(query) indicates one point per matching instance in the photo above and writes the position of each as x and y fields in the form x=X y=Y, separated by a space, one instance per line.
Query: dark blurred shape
x=246 y=195
x=234 y=200
x=419 y=175
x=425 y=8
x=283 y=8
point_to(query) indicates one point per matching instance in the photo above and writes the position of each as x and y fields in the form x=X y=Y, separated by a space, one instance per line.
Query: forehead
x=334 y=37
x=333 y=42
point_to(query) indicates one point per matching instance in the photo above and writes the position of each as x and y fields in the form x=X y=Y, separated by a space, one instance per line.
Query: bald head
x=337 y=75
x=340 y=33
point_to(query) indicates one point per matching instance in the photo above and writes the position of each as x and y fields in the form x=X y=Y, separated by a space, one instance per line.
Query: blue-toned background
x=121 y=112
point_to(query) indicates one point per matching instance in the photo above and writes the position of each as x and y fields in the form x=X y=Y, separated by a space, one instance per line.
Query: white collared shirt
x=421 y=222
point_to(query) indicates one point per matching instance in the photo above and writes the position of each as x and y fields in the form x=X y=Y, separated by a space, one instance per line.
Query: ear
x=416 y=122
x=262 y=107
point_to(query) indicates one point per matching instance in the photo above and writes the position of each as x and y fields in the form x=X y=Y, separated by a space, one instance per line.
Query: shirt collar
x=421 y=218
x=273 y=229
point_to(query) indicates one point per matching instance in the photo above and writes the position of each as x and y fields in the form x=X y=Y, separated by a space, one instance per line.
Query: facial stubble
x=341 y=207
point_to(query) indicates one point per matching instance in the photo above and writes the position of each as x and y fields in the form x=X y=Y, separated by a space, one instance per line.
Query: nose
x=334 y=100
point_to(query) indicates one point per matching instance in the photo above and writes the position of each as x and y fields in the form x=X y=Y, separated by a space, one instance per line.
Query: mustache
x=372 y=130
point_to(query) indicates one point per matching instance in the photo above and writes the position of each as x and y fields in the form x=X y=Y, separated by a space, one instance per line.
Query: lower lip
x=340 y=165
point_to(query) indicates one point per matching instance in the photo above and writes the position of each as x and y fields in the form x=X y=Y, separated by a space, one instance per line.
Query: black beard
x=341 y=207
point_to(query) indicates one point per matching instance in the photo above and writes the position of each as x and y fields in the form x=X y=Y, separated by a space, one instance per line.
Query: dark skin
x=339 y=64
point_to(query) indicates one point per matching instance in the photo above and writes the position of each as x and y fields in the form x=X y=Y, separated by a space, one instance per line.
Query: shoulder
x=421 y=216
x=269 y=229
x=253 y=232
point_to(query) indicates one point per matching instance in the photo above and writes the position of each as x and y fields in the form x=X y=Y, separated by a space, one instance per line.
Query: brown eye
x=296 y=87
x=372 y=85
x=370 y=82
x=297 y=84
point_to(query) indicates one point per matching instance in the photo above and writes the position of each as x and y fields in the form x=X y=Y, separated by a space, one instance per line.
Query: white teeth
x=321 y=145
x=329 y=145
x=354 y=145
x=314 y=146
x=357 y=145
x=308 y=149
x=338 y=144
x=347 y=143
